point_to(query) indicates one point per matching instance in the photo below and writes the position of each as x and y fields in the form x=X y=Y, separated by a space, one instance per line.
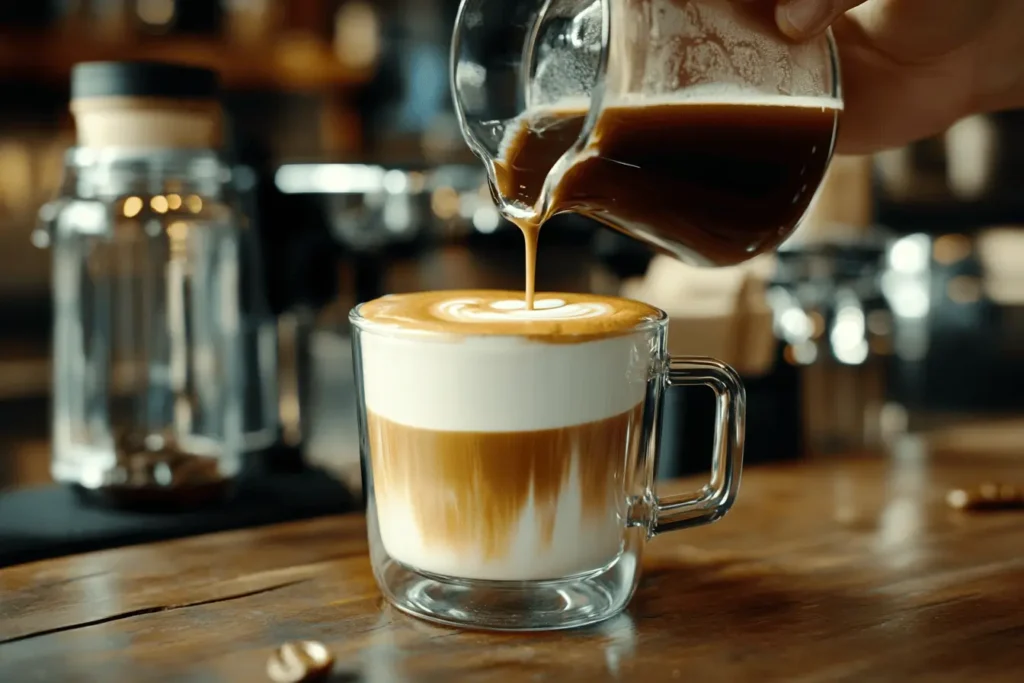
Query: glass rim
x=356 y=320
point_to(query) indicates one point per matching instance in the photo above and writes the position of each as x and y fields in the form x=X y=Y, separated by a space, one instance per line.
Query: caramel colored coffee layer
x=555 y=317
x=469 y=492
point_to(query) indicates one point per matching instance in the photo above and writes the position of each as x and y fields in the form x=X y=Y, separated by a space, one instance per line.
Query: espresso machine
x=834 y=328
x=951 y=276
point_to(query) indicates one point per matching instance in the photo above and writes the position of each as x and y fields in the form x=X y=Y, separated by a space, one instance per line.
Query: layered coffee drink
x=724 y=180
x=503 y=440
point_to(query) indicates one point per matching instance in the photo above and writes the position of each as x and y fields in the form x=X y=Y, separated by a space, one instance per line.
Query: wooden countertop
x=831 y=571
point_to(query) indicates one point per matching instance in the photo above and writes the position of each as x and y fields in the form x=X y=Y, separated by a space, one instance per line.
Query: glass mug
x=691 y=125
x=509 y=481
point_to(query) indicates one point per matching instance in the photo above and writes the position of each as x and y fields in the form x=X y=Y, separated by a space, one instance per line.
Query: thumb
x=802 y=19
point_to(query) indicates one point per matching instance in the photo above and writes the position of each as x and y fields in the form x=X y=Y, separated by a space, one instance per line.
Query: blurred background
x=896 y=312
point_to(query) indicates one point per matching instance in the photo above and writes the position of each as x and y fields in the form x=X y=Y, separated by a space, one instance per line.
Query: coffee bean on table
x=988 y=496
x=300 y=661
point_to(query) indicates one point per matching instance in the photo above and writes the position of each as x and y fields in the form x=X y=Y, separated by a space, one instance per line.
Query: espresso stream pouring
x=687 y=125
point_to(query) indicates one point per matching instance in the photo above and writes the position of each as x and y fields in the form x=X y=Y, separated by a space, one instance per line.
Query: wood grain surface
x=832 y=571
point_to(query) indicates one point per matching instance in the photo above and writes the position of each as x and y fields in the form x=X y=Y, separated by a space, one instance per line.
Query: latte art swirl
x=480 y=310
x=556 y=317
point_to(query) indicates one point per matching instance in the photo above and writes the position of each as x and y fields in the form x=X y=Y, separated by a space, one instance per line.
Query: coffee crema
x=726 y=180
x=554 y=316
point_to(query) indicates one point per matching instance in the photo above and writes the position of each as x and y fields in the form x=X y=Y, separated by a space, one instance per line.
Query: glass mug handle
x=714 y=499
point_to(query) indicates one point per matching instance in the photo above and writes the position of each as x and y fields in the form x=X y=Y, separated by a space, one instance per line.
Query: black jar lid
x=143 y=79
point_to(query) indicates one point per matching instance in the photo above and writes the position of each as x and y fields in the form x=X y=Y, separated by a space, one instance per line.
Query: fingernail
x=803 y=18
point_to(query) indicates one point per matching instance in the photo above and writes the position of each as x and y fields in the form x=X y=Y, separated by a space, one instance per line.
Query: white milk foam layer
x=502 y=384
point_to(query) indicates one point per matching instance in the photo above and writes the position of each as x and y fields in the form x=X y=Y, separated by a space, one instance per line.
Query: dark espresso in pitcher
x=726 y=180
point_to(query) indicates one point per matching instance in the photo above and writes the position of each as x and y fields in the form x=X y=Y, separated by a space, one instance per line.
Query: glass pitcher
x=692 y=125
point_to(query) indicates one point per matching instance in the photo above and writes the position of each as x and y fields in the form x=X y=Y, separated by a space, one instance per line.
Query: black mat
x=53 y=521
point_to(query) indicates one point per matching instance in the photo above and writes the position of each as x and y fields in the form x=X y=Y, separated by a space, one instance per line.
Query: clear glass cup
x=509 y=481
x=721 y=188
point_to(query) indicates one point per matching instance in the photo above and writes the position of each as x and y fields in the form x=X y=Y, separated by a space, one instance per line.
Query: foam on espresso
x=555 y=317
x=498 y=455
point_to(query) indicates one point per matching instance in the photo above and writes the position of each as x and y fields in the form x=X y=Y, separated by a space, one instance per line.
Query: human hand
x=911 y=68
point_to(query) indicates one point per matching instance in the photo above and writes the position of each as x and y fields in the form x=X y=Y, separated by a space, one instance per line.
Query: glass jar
x=164 y=349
